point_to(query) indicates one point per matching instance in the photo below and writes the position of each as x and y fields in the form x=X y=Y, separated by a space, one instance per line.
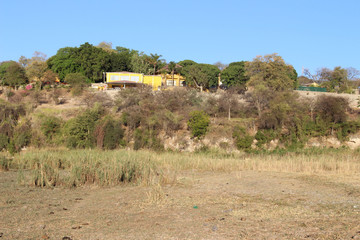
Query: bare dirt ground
x=237 y=205
x=352 y=98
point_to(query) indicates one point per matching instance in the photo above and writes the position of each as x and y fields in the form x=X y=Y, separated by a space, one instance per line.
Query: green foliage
x=234 y=75
x=50 y=127
x=78 y=81
x=109 y=134
x=5 y=163
x=343 y=130
x=243 y=141
x=147 y=139
x=199 y=75
x=332 y=109
x=22 y=135
x=87 y=59
x=264 y=136
x=12 y=74
x=4 y=141
x=272 y=72
x=198 y=123
x=79 y=131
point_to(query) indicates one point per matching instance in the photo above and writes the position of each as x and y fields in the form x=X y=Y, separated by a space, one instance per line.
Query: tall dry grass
x=79 y=167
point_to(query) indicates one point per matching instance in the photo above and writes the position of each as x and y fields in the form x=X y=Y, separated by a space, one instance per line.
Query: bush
x=4 y=163
x=198 y=123
x=22 y=135
x=264 y=136
x=79 y=131
x=4 y=141
x=109 y=134
x=243 y=141
x=332 y=109
x=77 y=81
x=50 y=127
x=147 y=139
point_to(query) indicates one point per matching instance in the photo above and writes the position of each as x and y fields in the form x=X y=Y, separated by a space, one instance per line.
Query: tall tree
x=154 y=60
x=89 y=60
x=197 y=77
x=36 y=66
x=12 y=74
x=139 y=63
x=234 y=74
x=221 y=66
x=271 y=71
x=107 y=46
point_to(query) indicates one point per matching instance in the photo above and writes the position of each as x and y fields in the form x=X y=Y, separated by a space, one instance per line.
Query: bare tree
x=352 y=74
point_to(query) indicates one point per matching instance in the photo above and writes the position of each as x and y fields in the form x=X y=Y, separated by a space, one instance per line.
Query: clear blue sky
x=306 y=33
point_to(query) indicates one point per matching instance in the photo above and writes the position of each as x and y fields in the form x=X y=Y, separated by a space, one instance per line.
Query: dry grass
x=79 y=167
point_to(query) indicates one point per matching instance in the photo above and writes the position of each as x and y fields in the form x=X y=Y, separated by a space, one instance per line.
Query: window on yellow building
x=135 y=78
x=114 y=78
x=170 y=83
x=125 y=78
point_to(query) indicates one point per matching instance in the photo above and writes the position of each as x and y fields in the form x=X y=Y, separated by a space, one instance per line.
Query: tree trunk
x=229 y=115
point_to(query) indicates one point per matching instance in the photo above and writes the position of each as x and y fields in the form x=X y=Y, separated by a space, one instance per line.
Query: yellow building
x=129 y=79
x=123 y=79
x=175 y=80
x=153 y=80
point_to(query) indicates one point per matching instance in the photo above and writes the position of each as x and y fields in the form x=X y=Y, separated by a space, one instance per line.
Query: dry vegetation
x=69 y=173
x=310 y=194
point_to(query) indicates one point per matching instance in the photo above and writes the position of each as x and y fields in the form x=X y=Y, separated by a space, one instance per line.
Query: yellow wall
x=154 y=81
x=178 y=79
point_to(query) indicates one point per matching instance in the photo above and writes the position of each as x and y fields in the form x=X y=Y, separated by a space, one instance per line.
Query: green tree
x=139 y=63
x=121 y=59
x=79 y=131
x=77 y=81
x=234 y=75
x=198 y=123
x=196 y=77
x=154 y=60
x=202 y=76
x=272 y=72
x=12 y=74
x=89 y=60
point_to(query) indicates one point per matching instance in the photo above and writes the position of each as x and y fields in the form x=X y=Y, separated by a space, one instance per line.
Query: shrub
x=50 y=127
x=198 y=123
x=147 y=139
x=332 y=109
x=77 y=81
x=132 y=117
x=4 y=141
x=264 y=136
x=243 y=141
x=109 y=134
x=4 y=163
x=22 y=135
x=79 y=131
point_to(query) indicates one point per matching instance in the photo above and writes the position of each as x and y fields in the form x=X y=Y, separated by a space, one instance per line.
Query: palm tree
x=154 y=59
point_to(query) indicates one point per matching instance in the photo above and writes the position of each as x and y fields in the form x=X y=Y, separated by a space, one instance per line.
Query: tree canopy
x=271 y=71
x=89 y=60
x=234 y=74
x=12 y=74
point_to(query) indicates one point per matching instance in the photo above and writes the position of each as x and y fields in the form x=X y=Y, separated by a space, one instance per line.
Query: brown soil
x=237 y=205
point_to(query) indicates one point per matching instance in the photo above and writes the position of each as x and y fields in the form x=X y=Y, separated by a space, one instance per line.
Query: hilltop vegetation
x=257 y=109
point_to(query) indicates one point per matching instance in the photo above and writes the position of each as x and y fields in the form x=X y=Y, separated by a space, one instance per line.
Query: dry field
x=200 y=196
